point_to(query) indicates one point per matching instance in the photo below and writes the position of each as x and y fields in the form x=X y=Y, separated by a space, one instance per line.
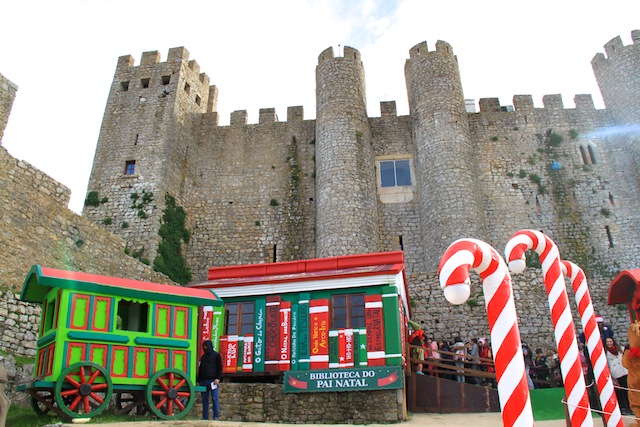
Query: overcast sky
x=62 y=54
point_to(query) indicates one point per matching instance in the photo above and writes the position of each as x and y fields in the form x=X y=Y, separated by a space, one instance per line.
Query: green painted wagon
x=101 y=336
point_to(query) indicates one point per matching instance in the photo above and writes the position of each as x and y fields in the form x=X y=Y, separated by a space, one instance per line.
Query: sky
x=262 y=54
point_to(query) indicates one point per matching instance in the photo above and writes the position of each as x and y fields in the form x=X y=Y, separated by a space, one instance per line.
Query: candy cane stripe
x=561 y=318
x=454 y=269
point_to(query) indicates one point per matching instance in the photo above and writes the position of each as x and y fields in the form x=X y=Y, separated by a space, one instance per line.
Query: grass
x=20 y=416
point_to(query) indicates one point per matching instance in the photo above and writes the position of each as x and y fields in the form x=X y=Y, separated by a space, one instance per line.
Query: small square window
x=130 y=167
x=187 y=88
x=166 y=80
x=124 y=86
x=395 y=173
x=144 y=83
x=198 y=100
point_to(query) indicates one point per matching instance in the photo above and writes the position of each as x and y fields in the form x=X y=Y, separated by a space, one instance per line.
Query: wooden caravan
x=101 y=335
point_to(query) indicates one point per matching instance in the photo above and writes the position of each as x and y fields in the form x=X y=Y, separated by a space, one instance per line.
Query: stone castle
x=348 y=183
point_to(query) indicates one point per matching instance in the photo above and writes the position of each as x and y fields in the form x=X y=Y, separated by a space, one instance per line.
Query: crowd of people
x=471 y=359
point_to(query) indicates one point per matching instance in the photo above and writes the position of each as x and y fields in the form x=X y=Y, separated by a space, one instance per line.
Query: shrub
x=92 y=199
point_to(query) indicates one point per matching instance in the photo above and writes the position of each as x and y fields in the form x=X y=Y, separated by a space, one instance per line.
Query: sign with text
x=355 y=379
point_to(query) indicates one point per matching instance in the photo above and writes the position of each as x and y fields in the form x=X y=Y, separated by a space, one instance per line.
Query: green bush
x=92 y=199
x=173 y=232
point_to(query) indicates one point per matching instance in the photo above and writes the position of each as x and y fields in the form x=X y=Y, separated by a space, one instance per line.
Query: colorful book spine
x=240 y=355
x=272 y=342
x=360 y=339
x=303 y=332
x=284 y=360
x=393 y=340
x=349 y=356
x=375 y=330
x=319 y=331
x=247 y=354
x=217 y=327
x=294 y=336
x=259 y=335
x=231 y=354
x=334 y=349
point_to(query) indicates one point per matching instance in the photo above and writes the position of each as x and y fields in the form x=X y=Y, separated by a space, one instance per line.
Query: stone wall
x=38 y=228
x=269 y=403
x=7 y=94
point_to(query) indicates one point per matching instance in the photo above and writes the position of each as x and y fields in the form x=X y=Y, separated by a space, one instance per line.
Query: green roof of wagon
x=40 y=280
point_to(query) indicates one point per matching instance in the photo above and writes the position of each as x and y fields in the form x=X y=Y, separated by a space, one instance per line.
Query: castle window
x=394 y=178
x=144 y=83
x=133 y=316
x=198 y=99
x=124 y=86
x=583 y=154
x=166 y=80
x=130 y=167
x=347 y=311
x=240 y=318
x=592 y=154
x=609 y=236
x=395 y=173
x=187 y=88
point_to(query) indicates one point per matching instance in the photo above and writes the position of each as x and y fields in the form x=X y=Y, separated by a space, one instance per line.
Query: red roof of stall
x=346 y=266
x=622 y=286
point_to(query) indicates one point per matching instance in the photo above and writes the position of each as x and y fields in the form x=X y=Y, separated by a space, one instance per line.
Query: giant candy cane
x=601 y=373
x=454 y=268
x=576 y=391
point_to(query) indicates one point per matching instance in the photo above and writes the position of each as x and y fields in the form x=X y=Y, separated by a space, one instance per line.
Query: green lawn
x=20 y=416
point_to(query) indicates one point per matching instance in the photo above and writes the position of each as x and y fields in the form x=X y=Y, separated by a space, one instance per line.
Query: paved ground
x=417 y=420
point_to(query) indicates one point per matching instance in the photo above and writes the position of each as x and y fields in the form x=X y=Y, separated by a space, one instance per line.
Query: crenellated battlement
x=615 y=47
x=349 y=53
x=552 y=102
x=152 y=59
x=421 y=49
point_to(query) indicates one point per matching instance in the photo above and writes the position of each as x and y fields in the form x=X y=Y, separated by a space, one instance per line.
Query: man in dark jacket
x=209 y=375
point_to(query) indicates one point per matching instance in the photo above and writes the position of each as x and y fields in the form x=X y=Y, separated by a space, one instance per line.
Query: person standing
x=619 y=373
x=209 y=375
x=460 y=350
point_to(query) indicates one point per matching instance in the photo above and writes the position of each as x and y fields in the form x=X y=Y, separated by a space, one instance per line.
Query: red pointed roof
x=622 y=287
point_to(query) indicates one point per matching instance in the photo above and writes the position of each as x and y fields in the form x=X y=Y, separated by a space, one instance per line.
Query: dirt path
x=417 y=420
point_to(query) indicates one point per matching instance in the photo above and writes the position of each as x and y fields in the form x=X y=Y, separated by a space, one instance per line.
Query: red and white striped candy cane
x=607 y=394
x=462 y=255
x=575 y=388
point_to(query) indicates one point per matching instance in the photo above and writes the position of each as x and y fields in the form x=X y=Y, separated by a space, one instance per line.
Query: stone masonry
x=296 y=189
x=7 y=95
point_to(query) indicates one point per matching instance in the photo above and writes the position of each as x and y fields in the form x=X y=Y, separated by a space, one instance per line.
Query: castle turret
x=347 y=220
x=618 y=76
x=143 y=148
x=449 y=202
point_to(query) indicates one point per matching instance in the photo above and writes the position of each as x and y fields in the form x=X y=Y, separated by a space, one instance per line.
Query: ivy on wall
x=173 y=232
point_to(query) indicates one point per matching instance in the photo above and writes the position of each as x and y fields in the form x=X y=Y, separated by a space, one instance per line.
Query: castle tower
x=618 y=76
x=346 y=216
x=446 y=175
x=143 y=147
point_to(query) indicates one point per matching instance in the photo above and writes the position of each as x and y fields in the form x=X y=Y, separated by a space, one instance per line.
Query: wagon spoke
x=71 y=381
x=71 y=392
x=97 y=398
x=87 y=406
x=93 y=377
x=75 y=402
x=81 y=374
x=170 y=407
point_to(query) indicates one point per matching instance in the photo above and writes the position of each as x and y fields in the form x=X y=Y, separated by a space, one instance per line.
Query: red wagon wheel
x=83 y=390
x=170 y=394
